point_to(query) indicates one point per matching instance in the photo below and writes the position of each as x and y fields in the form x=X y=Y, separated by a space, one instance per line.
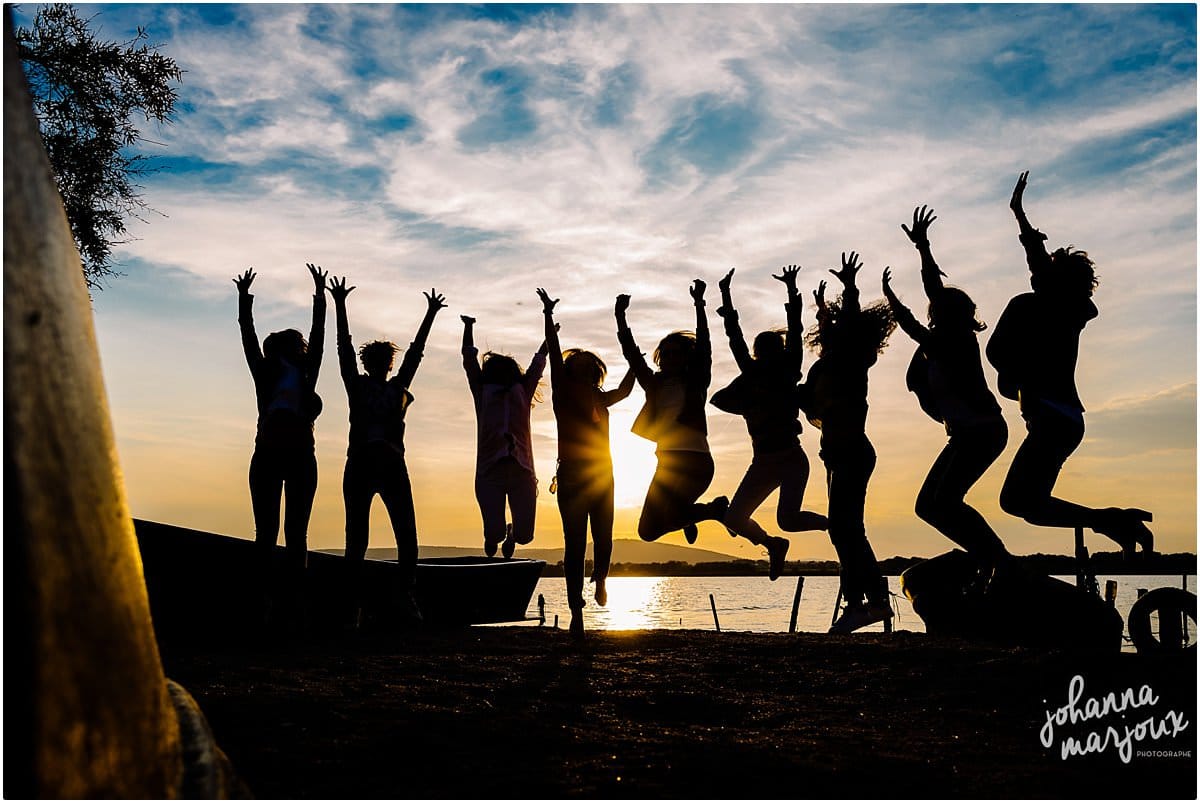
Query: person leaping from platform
x=503 y=396
x=673 y=417
x=1034 y=351
x=584 y=480
x=765 y=394
x=848 y=339
x=946 y=374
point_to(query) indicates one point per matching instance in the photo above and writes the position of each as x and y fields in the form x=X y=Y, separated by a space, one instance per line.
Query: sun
x=633 y=460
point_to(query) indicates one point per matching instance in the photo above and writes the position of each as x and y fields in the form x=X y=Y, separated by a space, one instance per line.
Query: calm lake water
x=752 y=603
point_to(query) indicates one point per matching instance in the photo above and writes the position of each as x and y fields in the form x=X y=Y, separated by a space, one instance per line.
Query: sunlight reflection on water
x=752 y=604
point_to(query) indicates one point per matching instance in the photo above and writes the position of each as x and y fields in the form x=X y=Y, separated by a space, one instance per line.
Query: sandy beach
x=527 y=712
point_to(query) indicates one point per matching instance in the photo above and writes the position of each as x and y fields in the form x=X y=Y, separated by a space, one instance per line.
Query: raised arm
x=250 y=346
x=903 y=315
x=316 y=338
x=554 y=349
x=1032 y=239
x=412 y=358
x=470 y=354
x=733 y=327
x=620 y=392
x=633 y=356
x=794 y=343
x=537 y=367
x=702 y=356
x=345 y=347
x=931 y=274
x=850 y=268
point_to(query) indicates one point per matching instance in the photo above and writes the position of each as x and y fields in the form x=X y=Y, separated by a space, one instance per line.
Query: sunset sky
x=601 y=149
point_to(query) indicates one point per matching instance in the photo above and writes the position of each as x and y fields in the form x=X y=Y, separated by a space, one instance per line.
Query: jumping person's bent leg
x=522 y=501
x=757 y=484
x=941 y=500
x=1027 y=491
x=490 y=493
x=679 y=479
x=793 y=480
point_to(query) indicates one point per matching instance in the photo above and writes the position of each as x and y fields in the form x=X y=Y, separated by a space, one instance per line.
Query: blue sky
x=598 y=149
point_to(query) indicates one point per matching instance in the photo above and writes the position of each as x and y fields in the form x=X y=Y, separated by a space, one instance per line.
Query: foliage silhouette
x=86 y=93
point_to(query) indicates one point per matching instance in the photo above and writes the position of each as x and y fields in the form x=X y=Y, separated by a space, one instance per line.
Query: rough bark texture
x=87 y=710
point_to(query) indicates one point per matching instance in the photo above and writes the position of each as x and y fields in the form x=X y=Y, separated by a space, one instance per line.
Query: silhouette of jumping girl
x=1034 y=350
x=504 y=398
x=946 y=373
x=585 y=472
x=848 y=339
x=766 y=395
x=284 y=463
x=673 y=417
x=375 y=456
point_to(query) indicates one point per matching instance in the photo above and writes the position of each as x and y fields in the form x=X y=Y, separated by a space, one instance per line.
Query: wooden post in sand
x=1110 y=592
x=541 y=610
x=796 y=603
x=713 y=603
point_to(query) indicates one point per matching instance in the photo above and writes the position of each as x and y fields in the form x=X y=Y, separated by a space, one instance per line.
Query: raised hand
x=547 y=302
x=467 y=319
x=887 y=282
x=697 y=290
x=787 y=275
x=723 y=285
x=819 y=295
x=319 y=276
x=622 y=303
x=338 y=289
x=1018 y=193
x=435 y=300
x=850 y=267
x=919 y=233
x=244 y=280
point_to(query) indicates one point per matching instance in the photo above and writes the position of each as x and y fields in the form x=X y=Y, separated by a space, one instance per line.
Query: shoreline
x=527 y=712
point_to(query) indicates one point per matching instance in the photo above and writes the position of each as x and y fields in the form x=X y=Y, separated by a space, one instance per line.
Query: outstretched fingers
x=1018 y=192
x=244 y=280
x=338 y=288
x=787 y=275
x=435 y=299
x=319 y=276
x=548 y=303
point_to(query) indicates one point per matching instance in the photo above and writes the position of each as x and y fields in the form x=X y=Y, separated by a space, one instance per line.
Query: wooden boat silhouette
x=200 y=582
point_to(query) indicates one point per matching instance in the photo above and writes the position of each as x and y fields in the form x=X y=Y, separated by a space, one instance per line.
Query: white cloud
x=855 y=123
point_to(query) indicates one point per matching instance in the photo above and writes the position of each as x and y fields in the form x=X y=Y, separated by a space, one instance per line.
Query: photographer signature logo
x=1125 y=726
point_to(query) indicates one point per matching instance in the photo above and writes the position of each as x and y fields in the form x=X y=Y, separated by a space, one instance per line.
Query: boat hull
x=201 y=582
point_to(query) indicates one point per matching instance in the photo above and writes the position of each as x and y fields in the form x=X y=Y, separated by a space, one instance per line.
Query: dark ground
x=525 y=712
